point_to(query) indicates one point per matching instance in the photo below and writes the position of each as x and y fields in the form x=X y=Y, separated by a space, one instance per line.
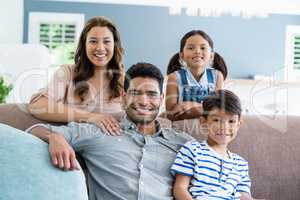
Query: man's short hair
x=145 y=70
x=224 y=100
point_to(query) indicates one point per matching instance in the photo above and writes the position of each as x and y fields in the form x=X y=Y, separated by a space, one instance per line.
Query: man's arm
x=62 y=154
x=181 y=187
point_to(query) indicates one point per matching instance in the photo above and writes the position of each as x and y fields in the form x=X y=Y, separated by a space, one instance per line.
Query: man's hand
x=62 y=154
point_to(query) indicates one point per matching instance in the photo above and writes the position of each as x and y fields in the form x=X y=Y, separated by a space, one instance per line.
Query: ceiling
x=232 y=6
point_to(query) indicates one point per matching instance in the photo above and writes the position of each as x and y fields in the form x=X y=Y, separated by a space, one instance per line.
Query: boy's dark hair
x=224 y=100
x=145 y=70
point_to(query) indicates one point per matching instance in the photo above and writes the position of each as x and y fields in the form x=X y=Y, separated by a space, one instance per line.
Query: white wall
x=11 y=21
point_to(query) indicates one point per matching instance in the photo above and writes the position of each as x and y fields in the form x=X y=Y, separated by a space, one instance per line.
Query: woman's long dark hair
x=84 y=68
x=218 y=62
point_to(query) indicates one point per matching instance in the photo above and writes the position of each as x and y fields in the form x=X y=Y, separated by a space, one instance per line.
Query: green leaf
x=4 y=90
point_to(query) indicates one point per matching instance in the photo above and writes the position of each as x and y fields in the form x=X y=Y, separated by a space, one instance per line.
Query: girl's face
x=99 y=46
x=196 y=52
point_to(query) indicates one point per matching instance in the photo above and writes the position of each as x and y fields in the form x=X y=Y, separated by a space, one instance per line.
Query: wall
x=11 y=21
x=250 y=46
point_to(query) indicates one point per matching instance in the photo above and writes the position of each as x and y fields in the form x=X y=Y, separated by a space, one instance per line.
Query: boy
x=208 y=170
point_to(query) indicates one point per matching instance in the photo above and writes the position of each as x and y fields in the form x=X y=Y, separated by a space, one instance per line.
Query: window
x=296 y=51
x=292 y=53
x=59 y=32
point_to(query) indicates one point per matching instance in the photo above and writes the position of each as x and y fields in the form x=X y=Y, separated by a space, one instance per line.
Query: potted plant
x=4 y=90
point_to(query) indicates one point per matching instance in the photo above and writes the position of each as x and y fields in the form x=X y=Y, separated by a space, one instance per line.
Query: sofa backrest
x=18 y=116
x=271 y=144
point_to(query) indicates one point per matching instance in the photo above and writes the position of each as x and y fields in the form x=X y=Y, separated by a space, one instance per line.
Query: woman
x=90 y=90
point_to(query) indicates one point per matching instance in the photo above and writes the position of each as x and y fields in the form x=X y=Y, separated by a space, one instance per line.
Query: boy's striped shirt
x=212 y=176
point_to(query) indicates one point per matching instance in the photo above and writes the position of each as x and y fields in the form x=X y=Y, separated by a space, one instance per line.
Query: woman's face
x=196 y=52
x=100 y=46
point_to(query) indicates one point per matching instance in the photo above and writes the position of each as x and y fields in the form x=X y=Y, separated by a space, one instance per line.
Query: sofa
x=20 y=167
x=271 y=144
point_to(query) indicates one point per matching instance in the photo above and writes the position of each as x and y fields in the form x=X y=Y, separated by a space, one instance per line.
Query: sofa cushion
x=27 y=173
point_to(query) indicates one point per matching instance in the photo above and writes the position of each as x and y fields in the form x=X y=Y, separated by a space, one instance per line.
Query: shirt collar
x=127 y=124
x=230 y=155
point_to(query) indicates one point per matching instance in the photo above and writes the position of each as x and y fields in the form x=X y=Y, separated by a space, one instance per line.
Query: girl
x=190 y=77
x=89 y=90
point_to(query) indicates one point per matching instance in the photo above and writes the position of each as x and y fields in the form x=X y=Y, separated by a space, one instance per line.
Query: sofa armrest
x=27 y=172
x=18 y=116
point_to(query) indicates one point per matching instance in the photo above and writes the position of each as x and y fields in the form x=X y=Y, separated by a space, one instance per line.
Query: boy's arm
x=62 y=154
x=181 y=187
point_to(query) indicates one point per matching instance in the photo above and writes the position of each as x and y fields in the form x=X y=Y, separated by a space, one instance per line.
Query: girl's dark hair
x=174 y=63
x=218 y=62
x=224 y=100
x=84 y=68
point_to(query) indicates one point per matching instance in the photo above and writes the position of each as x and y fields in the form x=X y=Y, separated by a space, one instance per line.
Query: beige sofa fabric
x=273 y=154
x=17 y=115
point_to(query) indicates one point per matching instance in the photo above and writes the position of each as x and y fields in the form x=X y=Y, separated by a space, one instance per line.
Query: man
x=134 y=165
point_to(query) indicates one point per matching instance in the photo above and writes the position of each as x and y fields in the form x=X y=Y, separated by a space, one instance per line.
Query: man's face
x=222 y=127
x=142 y=100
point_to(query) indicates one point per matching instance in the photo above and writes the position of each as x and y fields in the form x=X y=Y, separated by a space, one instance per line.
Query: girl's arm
x=219 y=81
x=189 y=110
x=181 y=185
x=184 y=110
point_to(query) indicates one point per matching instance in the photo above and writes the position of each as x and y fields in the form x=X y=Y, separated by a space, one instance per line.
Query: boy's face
x=222 y=127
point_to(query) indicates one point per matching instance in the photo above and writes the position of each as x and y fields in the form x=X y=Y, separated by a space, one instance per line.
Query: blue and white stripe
x=212 y=176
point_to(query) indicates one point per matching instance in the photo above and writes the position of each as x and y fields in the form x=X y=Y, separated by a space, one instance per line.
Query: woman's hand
x=108 y=124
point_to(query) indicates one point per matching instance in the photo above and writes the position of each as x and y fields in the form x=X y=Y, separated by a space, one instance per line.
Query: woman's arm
x=48 y=105
x=49 y=110
x=181 y=185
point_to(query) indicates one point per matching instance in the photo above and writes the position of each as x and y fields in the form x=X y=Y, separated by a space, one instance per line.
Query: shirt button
x=141 y=166
x=142 y=183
